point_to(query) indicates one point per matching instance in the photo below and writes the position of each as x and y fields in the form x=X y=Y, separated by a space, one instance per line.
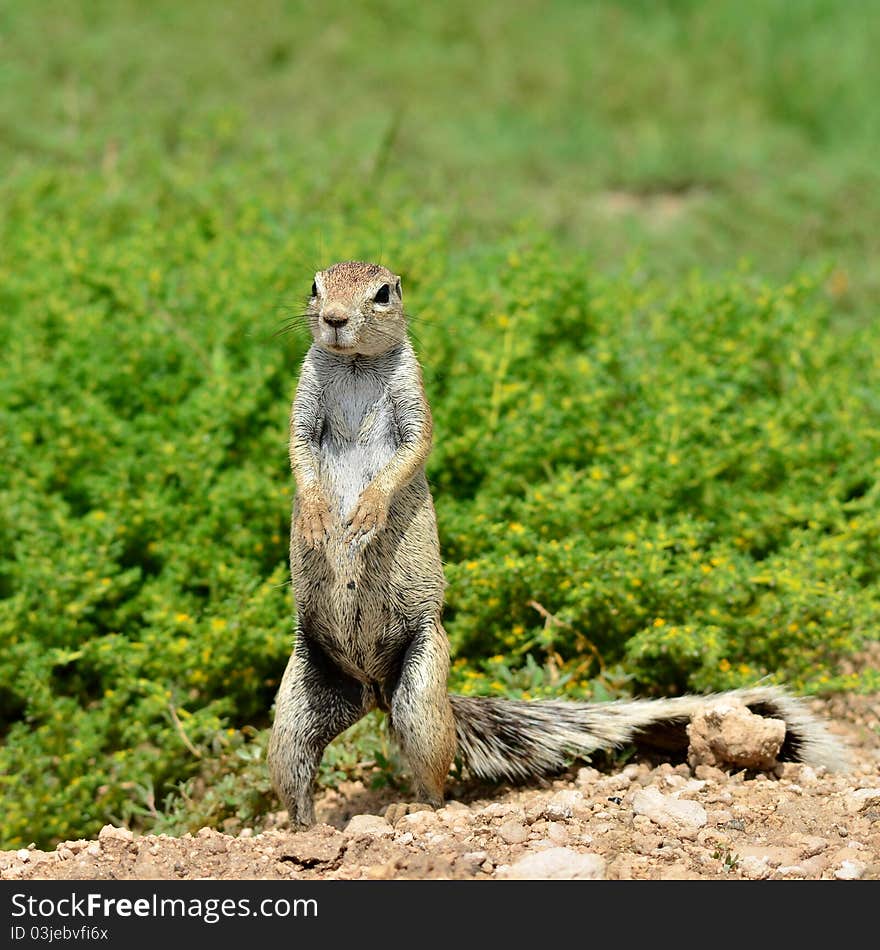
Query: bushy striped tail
x=514 y=740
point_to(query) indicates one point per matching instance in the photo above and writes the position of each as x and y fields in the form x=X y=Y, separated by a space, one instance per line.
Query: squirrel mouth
x=339 y=345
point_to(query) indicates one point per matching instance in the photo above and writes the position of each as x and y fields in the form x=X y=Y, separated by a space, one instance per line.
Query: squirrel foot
x=396 y=810
x=370 y=514
x=314 y=520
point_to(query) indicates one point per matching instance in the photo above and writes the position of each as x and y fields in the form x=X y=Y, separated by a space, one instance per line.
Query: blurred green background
x=639 y=242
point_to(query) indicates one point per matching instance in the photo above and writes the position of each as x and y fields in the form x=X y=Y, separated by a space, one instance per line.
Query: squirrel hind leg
x=316 y=702
x=421 y=720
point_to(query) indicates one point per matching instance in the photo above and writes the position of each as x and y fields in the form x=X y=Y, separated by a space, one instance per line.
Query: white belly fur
x=358 y=439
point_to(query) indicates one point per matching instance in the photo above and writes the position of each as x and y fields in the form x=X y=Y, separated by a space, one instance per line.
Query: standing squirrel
x=368 y=581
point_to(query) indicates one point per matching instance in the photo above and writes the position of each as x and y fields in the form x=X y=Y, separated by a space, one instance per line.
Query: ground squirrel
x=368 y=582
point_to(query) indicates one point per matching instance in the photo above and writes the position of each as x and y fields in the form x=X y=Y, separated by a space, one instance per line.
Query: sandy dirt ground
x=642 y=821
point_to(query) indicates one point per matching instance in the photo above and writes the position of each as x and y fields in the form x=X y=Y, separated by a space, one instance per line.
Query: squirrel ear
x=397 y=288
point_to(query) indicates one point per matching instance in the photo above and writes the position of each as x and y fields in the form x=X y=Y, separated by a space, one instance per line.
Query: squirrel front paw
x=370 y=514
x=314 y=521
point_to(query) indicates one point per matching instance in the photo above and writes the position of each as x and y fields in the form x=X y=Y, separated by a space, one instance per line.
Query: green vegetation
x=639 y=242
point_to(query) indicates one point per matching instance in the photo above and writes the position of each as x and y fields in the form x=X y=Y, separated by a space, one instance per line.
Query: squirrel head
x=356 y=309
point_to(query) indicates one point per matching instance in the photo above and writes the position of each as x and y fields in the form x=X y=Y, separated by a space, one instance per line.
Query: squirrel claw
x=314 y=524
x=396 y=810
x=370 y=515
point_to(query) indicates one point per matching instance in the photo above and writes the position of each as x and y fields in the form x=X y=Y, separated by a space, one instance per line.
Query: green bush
x=636 y=486
x=686 y=482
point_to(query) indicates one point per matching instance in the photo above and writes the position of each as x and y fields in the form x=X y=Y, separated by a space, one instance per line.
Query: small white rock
x=812 y=845
x=674 y=781
x=557 y=832
x=685 y=818
x=513 y=832
x=111 y=833
x=563 y=805
x=373 y=826
x=613 y=783
x=754 y=868
x=850 y=871
x=587 y=776
x=862 y=799
x=502 y=810
x=556 y=864
x=419 y=823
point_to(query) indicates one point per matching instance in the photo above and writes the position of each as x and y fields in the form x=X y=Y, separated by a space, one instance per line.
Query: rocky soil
x=666 y=821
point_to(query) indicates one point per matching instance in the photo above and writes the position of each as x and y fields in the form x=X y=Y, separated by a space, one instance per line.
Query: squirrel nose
x=335 y=320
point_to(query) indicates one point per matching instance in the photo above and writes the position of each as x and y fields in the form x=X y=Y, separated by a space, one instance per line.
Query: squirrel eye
x=314 y=289
x=383 y=295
